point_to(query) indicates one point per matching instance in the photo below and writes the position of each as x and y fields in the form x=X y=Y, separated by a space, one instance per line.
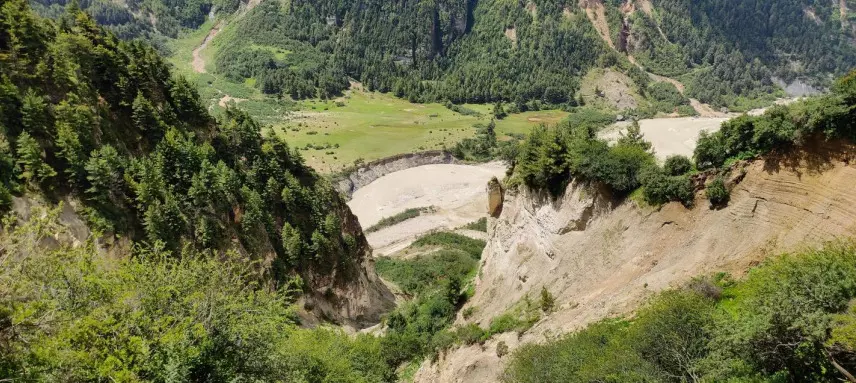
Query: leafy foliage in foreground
x=71 y=313
x=774 y=326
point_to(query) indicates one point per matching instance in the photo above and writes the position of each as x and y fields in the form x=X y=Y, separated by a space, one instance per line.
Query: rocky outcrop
x=495 y=196
x=366 y=174
x=601 y=258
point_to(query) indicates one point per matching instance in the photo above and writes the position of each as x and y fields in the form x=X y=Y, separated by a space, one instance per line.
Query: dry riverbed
x=457 y=192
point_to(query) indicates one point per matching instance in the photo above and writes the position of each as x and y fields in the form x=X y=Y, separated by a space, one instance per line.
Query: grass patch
x=399 y=218
x=422 y=273
x=471 y=246
x=365 y=125
x=480 y=225
x=369 y=126
x=455 y=258
x=417 y=328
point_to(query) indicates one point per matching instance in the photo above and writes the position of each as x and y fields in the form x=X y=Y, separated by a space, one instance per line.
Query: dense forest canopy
x=423 y=50
x=740 y=46
x=487 y=51
x=727 y=53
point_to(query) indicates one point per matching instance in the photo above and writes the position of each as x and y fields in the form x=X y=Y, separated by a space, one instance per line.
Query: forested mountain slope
x=513 y=51
x=87 y=115
x=490 y=50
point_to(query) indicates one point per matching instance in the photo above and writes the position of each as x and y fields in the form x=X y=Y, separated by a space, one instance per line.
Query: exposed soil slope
x=199 y=62
x=600 y=260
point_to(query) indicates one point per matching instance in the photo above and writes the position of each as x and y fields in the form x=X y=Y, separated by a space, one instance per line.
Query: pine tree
x=31 y=164
x=634 y=137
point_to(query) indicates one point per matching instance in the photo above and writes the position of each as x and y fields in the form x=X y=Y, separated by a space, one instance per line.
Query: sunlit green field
x=369 y=126
x=364 y=125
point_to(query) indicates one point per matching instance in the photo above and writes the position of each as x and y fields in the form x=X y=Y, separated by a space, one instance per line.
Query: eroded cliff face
x=369 y=172
x=601 y=258
x=352 y=294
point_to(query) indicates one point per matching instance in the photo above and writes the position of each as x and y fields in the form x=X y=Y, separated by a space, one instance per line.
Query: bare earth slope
x=601 y=261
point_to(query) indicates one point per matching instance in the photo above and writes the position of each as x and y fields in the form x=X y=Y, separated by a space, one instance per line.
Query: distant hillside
x=490 y=50
x=726 y=52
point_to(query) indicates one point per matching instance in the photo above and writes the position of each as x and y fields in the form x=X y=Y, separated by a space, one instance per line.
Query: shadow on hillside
x=814 y=157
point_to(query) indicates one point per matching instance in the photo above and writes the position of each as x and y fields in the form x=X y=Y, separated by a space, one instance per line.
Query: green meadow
x=333 y=134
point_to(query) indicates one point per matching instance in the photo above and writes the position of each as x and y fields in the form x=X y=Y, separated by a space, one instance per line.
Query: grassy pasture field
x=332 y=134
x=368 y=126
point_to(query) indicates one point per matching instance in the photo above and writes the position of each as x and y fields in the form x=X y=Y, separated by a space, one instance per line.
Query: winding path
x=198 y=62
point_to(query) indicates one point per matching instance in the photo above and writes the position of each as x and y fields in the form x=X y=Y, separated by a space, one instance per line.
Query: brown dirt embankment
x=367 y=173
x=601 y=258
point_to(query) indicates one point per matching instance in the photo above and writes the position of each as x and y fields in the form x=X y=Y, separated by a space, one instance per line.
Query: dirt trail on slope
x=597 y=15
x=226 y=99
x=603 y=261
x=457 y=192
x=198 y=62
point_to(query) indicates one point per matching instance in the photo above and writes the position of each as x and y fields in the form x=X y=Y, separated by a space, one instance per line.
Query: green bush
x=157 y=316
x=480 y=225
x=677 y=165
x=781 y=127
x=600 y=353
x=501 y=349
x=422 y=273
x=789 y=320
x=398 y=218
x=548 y=302
x=717 y=193
x=471 y=246
x=470 y=334
x=659 y=188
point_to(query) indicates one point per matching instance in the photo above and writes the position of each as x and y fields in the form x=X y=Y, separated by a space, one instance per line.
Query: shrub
x=710 y=151
x=470 y=334
x=501 y=349
x=468 y=312
x=672 y=333
x=422 y=273
x=471 y=246
x=717 y=193
x=398 y=218
x=781 y=323
x=480 y=225
x=677 y=165
x=548 y=302
x=660 y=188
x=597 y=354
